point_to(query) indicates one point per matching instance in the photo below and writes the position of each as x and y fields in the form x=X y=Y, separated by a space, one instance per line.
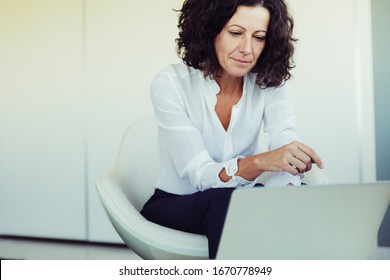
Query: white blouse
x=194 y=146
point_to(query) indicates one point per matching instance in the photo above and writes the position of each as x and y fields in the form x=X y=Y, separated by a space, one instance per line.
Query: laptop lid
x=307 y=222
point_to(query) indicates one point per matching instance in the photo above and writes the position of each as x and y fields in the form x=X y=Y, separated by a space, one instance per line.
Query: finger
x=292 y=170
x=298 y=165
x=312 y=154
x=304 y=158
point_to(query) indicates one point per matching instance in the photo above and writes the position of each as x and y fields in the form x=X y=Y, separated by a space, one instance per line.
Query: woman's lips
x=241 y=61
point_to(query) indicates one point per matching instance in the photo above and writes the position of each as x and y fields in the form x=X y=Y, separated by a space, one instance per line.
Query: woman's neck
x=230 y=86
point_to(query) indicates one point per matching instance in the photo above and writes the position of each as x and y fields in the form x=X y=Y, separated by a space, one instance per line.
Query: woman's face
x=242 y=40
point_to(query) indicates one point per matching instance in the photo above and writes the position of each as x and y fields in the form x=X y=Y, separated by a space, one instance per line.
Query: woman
x=237 y=57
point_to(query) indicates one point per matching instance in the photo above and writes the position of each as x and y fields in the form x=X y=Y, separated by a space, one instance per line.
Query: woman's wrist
x=258 y=164
x=251 y=167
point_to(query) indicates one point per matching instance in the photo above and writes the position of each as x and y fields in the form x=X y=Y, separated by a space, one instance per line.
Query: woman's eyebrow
x=237 y=25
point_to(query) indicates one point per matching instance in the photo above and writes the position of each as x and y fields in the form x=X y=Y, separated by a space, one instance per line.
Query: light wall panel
x=42 y=190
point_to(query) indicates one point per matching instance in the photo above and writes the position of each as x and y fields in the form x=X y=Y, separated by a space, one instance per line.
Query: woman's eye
x=259 y=38
x=235 y=33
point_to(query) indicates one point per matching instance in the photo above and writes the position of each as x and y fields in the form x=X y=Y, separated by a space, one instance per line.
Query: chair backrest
x=138 y=161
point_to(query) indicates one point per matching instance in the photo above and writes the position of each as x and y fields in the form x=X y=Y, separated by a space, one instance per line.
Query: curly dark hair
x=200 y=21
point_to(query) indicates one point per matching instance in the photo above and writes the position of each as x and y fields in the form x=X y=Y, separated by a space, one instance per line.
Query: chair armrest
x=128 y=221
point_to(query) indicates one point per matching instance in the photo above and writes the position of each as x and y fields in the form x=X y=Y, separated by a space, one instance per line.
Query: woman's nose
x=245 y=46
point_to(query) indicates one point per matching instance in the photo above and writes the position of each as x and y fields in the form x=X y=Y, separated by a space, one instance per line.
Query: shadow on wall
x=381 y=45
x=384 y=231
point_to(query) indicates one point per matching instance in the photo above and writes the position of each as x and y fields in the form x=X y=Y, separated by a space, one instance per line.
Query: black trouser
x=201 y=213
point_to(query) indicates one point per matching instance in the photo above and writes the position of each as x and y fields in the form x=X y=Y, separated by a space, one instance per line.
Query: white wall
x=333 y=85
x=126 y=44
x=74 y=74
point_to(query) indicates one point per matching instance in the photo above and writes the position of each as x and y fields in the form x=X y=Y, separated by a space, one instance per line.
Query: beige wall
x=41 y=119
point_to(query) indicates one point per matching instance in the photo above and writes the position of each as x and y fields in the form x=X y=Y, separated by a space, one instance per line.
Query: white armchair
x=125 y=188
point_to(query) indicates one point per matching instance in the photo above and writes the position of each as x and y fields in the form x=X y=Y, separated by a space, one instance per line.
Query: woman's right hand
x=293 y=158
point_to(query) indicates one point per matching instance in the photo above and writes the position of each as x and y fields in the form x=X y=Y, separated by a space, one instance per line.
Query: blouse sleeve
x=279 y=123
x=183 y=141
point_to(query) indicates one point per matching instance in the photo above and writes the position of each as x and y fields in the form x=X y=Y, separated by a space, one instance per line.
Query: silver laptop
x=308 y=222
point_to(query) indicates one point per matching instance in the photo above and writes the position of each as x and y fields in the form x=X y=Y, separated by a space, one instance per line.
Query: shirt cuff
x=281 y=179
x=231 y=168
